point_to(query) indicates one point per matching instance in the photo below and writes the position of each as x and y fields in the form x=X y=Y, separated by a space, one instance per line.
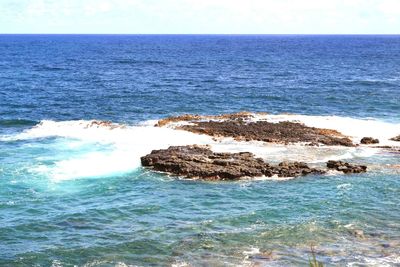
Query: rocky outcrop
x=397 y=138
x=240 y=127
x=194 y=117
x=345 y=167
x=369 y=141
x=200 y=162
x=282 y=132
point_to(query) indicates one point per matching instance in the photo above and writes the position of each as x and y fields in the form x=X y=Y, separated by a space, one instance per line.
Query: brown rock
x=189 y=117
x=200 y=162
x=369 y=140
x=282 y=132
x=239 y=127
x=346 y=167
x=397 y=138
x=185 y=117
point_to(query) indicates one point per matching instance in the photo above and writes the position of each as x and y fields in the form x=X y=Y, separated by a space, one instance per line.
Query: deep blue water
x=61 y=204
x=130 y=78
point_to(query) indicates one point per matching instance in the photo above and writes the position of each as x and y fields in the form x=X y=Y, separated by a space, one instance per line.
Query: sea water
x=72 y=192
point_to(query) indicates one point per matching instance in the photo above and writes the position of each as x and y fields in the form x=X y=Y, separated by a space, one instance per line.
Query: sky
x=201 y=16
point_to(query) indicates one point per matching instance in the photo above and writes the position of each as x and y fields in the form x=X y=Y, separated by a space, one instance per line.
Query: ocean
x=73 y=193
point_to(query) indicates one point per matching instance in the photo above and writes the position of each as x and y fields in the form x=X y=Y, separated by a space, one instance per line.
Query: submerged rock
x=369 y=140
x=200 y=162
x=104 y=124
x=239 y=127
x=345 y=167
x=358 y=233
x=390 y=149
x=263 y=256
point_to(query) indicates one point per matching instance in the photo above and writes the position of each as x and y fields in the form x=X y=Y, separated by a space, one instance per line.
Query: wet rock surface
x=369 y=141
x=397 y=138
x=104 y=124
x=200 y=162
x=194 y=117
x=240 y=128
x=282 y=132
x=346 y=167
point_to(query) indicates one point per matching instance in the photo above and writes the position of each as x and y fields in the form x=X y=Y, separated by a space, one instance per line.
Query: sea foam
x=117 y=148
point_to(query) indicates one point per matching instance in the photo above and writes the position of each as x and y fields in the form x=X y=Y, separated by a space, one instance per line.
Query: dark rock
x=312 y=144
x=346 y=167
x=239 y=127
x=200 y=162
x=369 y=140
x=282 y=132
x=397 y=138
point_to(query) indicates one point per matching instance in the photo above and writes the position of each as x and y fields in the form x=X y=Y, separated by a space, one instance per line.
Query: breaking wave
x=92 y=148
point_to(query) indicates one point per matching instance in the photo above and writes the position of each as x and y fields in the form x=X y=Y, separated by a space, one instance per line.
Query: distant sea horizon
x=214 y=34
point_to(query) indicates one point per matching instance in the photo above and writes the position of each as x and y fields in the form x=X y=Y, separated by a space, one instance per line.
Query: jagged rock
x=282 y=132
x=345 y=167
x=239 y=127
x=397 y=138
x=369 y=140
x=200 y=162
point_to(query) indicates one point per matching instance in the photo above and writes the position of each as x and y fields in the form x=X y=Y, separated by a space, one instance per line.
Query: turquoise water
x=74 y=194
x=145 y=218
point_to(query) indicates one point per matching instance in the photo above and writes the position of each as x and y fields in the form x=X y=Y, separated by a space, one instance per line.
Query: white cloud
x=201 y=16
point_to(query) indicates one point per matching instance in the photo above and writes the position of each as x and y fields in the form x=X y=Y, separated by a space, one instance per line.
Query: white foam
x=391 y=260
x=344 y=187
x=251 y=251
x=116 y=149
x=91 y=165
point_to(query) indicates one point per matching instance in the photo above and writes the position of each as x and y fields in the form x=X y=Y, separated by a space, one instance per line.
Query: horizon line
x=227 y=34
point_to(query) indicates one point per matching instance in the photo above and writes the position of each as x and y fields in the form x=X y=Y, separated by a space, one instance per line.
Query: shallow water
x=73 y=193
